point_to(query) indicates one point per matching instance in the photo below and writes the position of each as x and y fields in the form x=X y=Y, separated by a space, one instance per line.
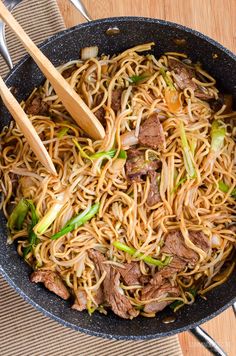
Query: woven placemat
x=23 y=330
x=40 y=19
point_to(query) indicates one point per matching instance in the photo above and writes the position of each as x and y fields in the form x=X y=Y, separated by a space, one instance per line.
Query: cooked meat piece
x=36 y=106
x=183 y=76
x=223 y=99
x=154 y=284
x=116 y=99
x=200 y=240
x=153 y=194
x=175 y=246
x=130 y=274
x=80 y=300
x=155 y=306
x=100 y=114
x=202 y=94
x=176 y=265
x=68 y=72
x=158 y=287
x=151 y=133
x=137 y=166
x=144 y=279
x=118 y=302
x=52 y=281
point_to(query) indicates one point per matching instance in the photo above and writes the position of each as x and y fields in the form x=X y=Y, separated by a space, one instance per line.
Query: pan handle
x=82 y=9
x=207 y=341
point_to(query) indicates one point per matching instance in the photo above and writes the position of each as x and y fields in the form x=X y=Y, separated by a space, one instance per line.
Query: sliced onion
x=117 y=165
x=215 y=241
x=89 y=52
x=129 y=139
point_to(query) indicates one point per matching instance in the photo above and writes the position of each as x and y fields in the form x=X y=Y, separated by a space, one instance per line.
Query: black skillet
x=66 y=46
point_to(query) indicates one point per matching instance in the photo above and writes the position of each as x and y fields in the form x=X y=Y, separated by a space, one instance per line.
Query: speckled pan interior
x=61 y=48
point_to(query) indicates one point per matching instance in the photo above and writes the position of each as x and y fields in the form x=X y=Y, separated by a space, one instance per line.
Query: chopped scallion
x=104 y=154
x=18 y=215
x=218 y=132
x=133 y=252
x=62 y=132
x=225 y=188
x=77 y=221
x=188 y=159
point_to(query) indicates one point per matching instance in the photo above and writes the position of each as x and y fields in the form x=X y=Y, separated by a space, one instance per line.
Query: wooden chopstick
x=79 y=111
x=26 y=127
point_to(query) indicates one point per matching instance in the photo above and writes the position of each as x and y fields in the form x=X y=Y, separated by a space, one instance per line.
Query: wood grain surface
x=215 y=18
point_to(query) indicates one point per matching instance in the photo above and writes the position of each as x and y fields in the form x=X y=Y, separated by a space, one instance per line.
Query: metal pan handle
x=207 y=341
x=81 y=8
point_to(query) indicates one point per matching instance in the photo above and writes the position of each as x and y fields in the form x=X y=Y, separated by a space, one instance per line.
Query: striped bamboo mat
x=23 y=330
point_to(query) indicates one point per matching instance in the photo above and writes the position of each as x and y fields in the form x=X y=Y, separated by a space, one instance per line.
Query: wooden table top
x=215 y=18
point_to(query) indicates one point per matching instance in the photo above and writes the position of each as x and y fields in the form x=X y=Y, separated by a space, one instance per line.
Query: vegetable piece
x=109 y=154
x=183 y=180
x=133 y=252
x=62 y=132
x=77 y=221
x=104 y=154
x=188 y=159
x=225 y=188
x=82 y=152
x=179 y=303
x=89 y=52
x=32 y=237
x=18 y=215
x=122 y=154
x=119 y=163
x=129 y=139
x=167 y=78
x=136 y=79
x=50 y=216
x=171 y=94
x=172 y=100
x=218 y=133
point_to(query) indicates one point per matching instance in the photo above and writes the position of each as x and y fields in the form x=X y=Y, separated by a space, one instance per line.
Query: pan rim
x=61 y=34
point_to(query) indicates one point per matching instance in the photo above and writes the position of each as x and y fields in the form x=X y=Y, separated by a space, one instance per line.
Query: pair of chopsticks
x=78 y=110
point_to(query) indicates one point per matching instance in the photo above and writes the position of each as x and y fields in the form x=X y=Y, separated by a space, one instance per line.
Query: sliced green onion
x=109 y=154
x=138 y=78
x=62 y=132
x=77 y=221
x=183 y=180
x=104 y=154
x=32 y=237
x=225 y=188
x=167 y=78
x=218 y=133
x=178 y=303
x=122 y=154
x=188 y=160
x=50 y=216
x=18 y=215
x=82 y=152
x=133 y=252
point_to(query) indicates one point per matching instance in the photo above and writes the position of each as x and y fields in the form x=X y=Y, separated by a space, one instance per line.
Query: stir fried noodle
x=144 y=218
